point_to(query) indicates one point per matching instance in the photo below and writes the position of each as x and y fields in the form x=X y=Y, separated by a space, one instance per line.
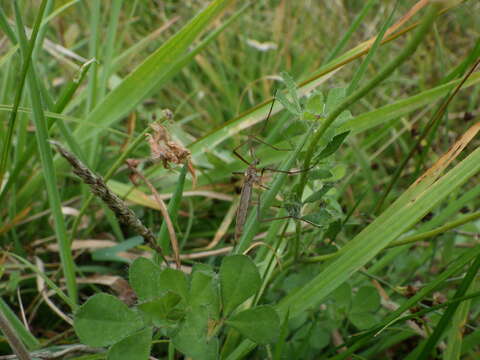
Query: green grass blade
x=138 y=84
x=355 y=24
x=397 y=219
x=28 y=339
x=455 y=335
x=446 y=319
x=363 y=66
x=18 y=95
x=400 y=108
x=6 y=28
x=47 y=280
x=48 y=166
x=109 y=47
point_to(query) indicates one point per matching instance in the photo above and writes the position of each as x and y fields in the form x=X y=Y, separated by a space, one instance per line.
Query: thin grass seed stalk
x=117 y=205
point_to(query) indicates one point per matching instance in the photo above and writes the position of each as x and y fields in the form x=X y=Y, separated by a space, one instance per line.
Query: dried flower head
x=162 y=148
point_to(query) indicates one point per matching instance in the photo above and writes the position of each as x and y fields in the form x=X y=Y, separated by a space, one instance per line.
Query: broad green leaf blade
x=104 y=320
x=192 y=338
x=150 y=282
x=144 y=277
x=333 y=145
x=362 y=320
x=317 y=195
x=366 y=300
x=287 y=104
x=292 y=91
x=204 y=292
x=342 y=296
x=139 y=84
x=334 y=97
x=320 y=218
x=239 y=279
x=365 y=303
x=316 y=104
x=260 y=324
x=318 y=174
x=175 y=281
x=163 y=310
x=136 y=346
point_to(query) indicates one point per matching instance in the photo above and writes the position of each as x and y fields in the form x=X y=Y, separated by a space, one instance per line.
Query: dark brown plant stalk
x=117 y=205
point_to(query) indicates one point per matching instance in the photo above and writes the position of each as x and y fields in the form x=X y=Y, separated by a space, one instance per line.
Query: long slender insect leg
x=237 y=154
x=256 y=138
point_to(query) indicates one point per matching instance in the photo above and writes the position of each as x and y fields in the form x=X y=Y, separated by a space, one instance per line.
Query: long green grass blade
x=46 y=159
x=138 y=84
x=18 y=95
x=398 y=218
x=27 y=337
x=446 y=319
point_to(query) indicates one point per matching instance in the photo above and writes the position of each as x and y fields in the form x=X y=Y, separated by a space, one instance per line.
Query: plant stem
x=13 y=340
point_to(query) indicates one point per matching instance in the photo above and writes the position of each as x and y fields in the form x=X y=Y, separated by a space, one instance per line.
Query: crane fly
x=251 y=177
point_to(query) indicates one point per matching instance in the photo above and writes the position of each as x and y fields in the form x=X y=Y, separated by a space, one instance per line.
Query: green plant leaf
x=317 y=195
x=287 y=104
x=320 y=218
x=316 y=104
x=204 y=291
x=363 y=320
x=136 y=346
x=239 y=279
x=342 y=296
x=260 y=324
x=366 y=300
x=144 y=278
x=334 y=98
x=163 y=310
x=318 y=174
x=319 y=337
x=292 y=92
x=192 y=340
x=150 y=282
x=332 y=146
x=175 y=281
x=104 y=320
